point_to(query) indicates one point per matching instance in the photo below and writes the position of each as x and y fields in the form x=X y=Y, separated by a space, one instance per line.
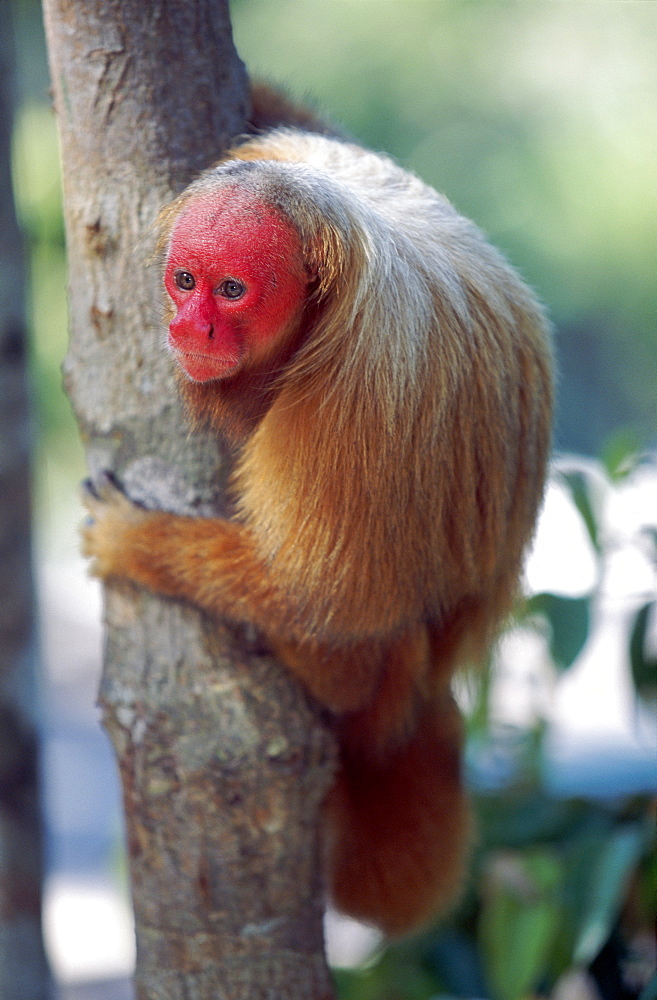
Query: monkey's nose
x=187 y=331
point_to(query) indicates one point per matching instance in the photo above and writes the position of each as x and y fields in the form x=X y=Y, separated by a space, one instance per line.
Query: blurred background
x=538 y=120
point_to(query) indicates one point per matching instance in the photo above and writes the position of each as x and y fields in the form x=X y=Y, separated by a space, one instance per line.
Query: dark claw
x=107 y=479
x=89 y=490
x=102 y=487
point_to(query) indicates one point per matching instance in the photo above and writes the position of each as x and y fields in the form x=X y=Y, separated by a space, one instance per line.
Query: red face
x=235 y=274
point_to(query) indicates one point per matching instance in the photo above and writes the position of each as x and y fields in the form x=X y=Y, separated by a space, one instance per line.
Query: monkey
x=385 y=377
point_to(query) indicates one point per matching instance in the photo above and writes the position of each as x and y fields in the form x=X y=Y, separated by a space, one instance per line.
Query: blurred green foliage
x=37 y=189
x=58 y=459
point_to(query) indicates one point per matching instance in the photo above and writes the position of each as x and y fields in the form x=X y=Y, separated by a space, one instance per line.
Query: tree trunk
x=23 y=970
x=224 y=765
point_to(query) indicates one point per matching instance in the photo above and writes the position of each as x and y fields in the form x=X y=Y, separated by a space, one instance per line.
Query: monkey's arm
x=213 y=564
x=207 y=561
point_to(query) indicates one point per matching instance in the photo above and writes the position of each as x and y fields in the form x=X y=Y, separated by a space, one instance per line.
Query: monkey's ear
x=312 y=267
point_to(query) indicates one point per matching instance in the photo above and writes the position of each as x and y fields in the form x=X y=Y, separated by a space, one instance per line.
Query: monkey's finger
x=98 y=495
x=92 y=502
x=88 y=491
x=102 y=487
x=103 y=490
x=108 y=487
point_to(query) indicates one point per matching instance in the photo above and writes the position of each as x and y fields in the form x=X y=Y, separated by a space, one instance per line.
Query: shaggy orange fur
x=393 y=455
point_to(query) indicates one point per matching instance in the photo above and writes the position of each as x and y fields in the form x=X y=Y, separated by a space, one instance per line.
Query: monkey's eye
x=184 y=280
x=231 y=288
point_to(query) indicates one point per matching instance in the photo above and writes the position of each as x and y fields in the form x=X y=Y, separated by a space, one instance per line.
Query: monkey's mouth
x=206 y=367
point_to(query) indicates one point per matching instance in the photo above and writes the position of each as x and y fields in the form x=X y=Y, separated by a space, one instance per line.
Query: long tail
x=399 y=825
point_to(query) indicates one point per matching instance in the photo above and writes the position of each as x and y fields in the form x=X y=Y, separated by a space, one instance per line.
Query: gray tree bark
x=223 y=763
x=23 y=969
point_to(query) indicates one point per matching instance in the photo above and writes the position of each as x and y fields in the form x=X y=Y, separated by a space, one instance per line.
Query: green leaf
x=519 y=920
x=569 y=621
x=620 y=453
x=580 y=489
x=610 y=870
x=643 y=666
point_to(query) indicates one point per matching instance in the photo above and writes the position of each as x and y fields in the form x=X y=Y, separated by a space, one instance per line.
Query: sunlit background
x=538 y=120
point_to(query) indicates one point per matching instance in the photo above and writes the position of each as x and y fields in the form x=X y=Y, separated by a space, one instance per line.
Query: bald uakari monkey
x=386 y=376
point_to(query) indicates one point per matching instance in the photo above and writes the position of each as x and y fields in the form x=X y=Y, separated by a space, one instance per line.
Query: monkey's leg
x=398 y=831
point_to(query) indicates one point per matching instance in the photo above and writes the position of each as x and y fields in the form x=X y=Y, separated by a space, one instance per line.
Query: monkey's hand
x=106 y=533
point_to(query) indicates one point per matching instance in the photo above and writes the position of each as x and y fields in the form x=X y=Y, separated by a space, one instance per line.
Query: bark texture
x=223 y=763
x=23 y=970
